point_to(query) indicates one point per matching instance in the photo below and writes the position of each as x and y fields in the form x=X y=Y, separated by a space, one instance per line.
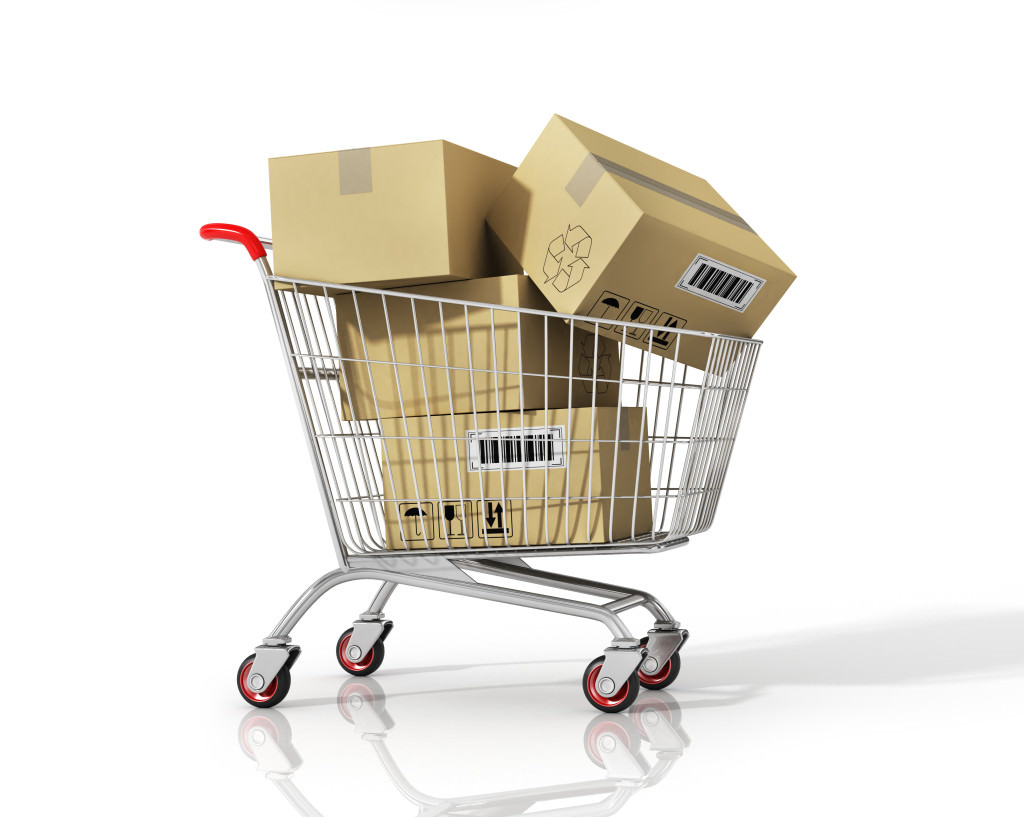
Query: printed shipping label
x=721 y=283
x=512 y=448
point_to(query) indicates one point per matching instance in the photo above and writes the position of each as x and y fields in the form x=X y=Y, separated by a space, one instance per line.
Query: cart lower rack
x=453 y=438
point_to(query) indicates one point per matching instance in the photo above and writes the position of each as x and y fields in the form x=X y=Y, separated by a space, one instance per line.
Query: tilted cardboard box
x=609 y=232
x=502 y=479
x=433 y=377
x=387 y=216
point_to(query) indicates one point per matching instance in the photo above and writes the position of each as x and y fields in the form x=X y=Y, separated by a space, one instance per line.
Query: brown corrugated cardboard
x=609 y=232
x=445 y=483
x=387 y=216
x=496 y=340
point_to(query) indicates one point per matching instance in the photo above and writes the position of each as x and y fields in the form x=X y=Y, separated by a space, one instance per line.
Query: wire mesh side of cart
x=446 y=425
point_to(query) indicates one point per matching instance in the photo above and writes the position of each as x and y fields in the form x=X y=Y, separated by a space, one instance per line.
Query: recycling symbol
x=565 y=261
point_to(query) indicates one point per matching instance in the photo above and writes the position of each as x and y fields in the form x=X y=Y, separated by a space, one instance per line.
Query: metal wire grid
x=371 y=468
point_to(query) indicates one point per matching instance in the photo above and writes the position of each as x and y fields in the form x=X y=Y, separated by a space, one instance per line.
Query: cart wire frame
x=645 y=481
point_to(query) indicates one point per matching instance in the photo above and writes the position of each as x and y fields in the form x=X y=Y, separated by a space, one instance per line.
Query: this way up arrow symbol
x=495 y=512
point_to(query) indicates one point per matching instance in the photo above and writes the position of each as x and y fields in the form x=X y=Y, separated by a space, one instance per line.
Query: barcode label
x=714 y=281
x=515 y=448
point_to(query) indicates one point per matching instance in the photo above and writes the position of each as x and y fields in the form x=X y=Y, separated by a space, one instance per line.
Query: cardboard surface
x=387 y=216
x=609 y=232
x=445 y=485
x=493 y=342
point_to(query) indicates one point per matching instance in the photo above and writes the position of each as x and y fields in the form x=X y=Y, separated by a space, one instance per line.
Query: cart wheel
x=603 y=728
x=664 y=676
x=272 y=694
x=365 y=665
x=618 y=700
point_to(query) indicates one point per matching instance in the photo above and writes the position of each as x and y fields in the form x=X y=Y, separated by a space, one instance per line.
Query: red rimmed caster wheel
x=665 y=674
x=365 y=664
x=272 y=694
x=615 y=702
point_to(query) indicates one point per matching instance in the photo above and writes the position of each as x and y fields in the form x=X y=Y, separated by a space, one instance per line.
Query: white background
x=856 y=612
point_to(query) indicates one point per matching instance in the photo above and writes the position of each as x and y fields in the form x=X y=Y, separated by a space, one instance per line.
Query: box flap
x=617 y=157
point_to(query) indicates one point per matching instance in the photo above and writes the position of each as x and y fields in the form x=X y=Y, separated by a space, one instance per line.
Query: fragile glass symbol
x=453 y=520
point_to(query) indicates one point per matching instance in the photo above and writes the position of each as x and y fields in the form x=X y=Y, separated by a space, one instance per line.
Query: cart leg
x=664 y=640
x=371 y=627
x=461 y=587
x=282 y=632
x=276 y=654
x=621 y=660
x=382 y=597
x=622 y=598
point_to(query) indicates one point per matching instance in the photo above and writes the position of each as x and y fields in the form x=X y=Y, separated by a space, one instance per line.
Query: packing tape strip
x=592 y=168
x=355 y=174
x=585 y=179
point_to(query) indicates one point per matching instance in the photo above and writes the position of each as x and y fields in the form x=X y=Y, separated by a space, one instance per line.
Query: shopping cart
x=429 y=479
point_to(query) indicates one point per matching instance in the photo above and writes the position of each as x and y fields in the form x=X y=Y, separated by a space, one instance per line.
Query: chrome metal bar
x=487 y=592
x=624 y=325
x=307 y=372
x=645 y=544
x=381 y=598
x=625 y=603
x=573 y=583
x=368 y=464
x=326 y=415
x=450 y=416
x=266 y=242
x=346 y=463
x=330 y=508
x=386 y=461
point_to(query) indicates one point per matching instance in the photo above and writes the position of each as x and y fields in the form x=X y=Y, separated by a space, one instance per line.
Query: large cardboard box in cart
x=609 y=232
x=387 y=216
x=402 y=356
x=566 y=476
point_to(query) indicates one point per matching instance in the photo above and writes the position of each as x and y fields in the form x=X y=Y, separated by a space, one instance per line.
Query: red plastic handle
x=232 y=232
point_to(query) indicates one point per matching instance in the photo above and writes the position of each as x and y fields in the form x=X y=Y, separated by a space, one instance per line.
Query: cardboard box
x=387 y=216
x=610 y=232
x=445 y=480
x=495 y=342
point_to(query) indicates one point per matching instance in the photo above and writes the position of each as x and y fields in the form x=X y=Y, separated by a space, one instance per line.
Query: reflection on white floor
x=835 y=718
x=629 y=752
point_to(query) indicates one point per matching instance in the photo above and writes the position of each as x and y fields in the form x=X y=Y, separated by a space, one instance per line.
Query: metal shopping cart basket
x=451 y=439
